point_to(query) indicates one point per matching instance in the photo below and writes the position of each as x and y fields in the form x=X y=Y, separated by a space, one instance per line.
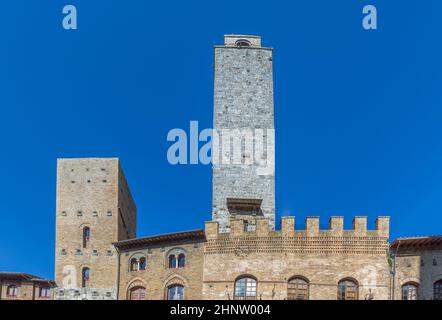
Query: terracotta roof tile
x=418 y=242
x=21 y=276
x=194 y=235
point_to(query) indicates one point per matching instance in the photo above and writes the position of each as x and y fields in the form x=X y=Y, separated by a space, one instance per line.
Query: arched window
x=176 y=258
x=175 y=292
x=86 y=236
x=181 y=260
x=437 y=290
x=133 y=264
x=137 y=262
x=245 y=289
x=409 y=291
x=12 y=291
x=348 y=290
x=172 y=261
x=243 y=43
x=297 y=289
x=142 y=264
x=138 y=293
x=85 y=276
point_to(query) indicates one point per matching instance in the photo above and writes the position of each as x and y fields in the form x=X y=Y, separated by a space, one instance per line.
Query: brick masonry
x=322 y=257
x=91 y=193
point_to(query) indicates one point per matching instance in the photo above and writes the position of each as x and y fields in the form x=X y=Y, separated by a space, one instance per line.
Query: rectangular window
x=12 y=291
x=45 y=292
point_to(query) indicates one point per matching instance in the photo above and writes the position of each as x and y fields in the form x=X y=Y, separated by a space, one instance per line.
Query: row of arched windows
x=297 y=289
x=173 y=292
x=348 y=289
x=175 y=260
x=246 y=289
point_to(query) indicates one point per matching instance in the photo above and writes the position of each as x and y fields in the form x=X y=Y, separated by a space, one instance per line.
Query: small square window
x=95 y=214
x=72 y=181
x=88 y=181
x=109 y=213
x=109 y=252
x=78 y=252
x=434 y=262
x=79 y=214
x=63 y=213
x=63 y=252
x=94 y=252
x=104 y=180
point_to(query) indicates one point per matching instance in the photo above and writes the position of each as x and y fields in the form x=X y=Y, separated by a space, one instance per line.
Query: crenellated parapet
x=310 y=239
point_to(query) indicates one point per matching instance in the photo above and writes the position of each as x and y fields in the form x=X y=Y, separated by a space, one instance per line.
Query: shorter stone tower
x=94 y=209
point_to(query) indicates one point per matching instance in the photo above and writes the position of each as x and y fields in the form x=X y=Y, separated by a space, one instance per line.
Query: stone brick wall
x=127 y=210
x=27 y=290
x=91 y=193
x=85 y=294
x=243 y=100
x=158 y=276
x=324 y=257
x=417 y=266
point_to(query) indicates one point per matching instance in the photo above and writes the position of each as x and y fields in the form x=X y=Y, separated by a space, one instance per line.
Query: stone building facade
x=94 y=209
x=321 y=260
x=417 y=268
x=239 y=254
x=163 y=268
x=23 y=286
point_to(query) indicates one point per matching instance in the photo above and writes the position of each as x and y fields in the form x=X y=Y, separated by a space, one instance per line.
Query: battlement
x=259 y=227
x=254 y=236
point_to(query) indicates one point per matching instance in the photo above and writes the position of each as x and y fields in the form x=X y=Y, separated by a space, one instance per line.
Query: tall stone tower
x=244 y=124
x=94 y=209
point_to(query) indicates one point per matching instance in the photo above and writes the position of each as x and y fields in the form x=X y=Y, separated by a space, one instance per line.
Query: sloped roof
x=193 y=235
x=21 y=276
x=418 y=242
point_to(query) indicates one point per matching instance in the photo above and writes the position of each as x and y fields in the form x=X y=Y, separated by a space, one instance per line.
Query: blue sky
x=357 y=113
